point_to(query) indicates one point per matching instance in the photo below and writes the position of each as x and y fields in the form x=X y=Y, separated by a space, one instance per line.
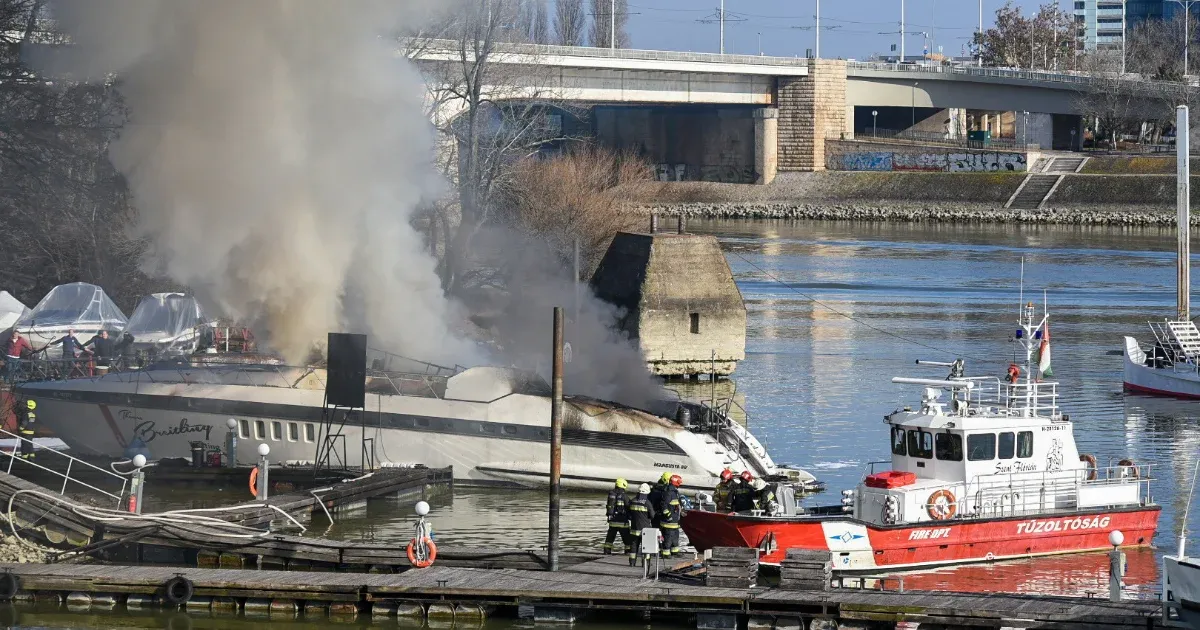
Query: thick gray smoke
x=275 y=150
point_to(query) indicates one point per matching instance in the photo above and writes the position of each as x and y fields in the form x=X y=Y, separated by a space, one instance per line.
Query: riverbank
x=1125 y=200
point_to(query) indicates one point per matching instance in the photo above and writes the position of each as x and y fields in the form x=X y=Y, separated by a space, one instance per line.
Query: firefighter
x=656 y=493
x=617 y=513
x=26 y=417
x=741 y=497
x=721 y=494
x=670 y=509
x=764 y=497
x=641 y=516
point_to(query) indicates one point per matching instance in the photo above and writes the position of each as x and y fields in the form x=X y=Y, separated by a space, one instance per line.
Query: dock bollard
x=263 y=451
x=231 y=443
x=136 y=483
x=1116 y=565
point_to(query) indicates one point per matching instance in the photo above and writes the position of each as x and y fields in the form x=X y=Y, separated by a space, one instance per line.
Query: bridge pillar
x=811 y=108
x=766 y=144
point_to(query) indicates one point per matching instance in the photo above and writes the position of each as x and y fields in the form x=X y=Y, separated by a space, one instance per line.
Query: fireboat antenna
x=1191 y=495
x=1021 y=294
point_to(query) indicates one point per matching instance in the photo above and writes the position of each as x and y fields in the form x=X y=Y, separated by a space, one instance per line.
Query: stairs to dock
x=1033 y=192
x=1065 y=164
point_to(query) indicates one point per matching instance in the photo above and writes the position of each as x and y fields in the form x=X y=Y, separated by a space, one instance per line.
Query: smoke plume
x=275 y=150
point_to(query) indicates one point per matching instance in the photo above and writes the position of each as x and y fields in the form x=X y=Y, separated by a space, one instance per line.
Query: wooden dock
x=606 y=586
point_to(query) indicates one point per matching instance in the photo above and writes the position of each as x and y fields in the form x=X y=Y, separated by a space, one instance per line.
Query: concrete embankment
x=941 y=197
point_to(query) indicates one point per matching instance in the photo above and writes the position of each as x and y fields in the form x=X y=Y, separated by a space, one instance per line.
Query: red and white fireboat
x=990 y=474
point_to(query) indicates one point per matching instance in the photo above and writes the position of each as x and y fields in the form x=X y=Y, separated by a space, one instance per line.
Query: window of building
x=310 y=433
x=898 y=442
x=1007 y=442
x=244 y=429
x=695 y=323
x=948 y=447
x=293 y=432
x=981 y=447
x=920 y=444
x=276 y=430
x=1024 y=444
x=260 y=429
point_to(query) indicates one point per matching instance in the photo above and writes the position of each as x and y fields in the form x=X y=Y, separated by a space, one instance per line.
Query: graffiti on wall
x=670 y=172
x=929 y=161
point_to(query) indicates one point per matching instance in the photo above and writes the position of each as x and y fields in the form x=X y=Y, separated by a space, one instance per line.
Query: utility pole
x=556 y=418
x=1187 y=19
x=722 y=18
x=979 y=45
x=818 y=30
x=612 y=24
x=901 y=31
x=1122 y=36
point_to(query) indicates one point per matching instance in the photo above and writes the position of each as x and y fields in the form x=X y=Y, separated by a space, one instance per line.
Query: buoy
x=424 y=562
x=178 y=590
x=945 y=509
x=254 y=481
x=1014 y=373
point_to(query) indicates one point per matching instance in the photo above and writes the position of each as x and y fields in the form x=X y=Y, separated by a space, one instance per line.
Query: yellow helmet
x=665 y=478
x=622 y=484
x=30 y=404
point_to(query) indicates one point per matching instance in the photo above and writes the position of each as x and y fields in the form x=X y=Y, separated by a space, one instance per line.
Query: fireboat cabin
x=985 y=469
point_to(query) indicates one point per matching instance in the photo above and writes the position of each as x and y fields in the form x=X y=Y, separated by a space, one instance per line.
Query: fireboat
x=990 y=473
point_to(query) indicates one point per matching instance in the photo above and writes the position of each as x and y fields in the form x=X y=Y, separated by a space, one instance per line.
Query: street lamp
x=1187 y=15
x=874 y=122
x=1122 y=36
x=1025 y=129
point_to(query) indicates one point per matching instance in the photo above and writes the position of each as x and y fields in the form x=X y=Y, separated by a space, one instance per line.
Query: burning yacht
x=169 y=324
x=490 y=424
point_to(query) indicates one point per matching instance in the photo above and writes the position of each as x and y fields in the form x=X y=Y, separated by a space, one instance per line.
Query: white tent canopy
x=164 y=317
x=11 y=309
x=83 y=307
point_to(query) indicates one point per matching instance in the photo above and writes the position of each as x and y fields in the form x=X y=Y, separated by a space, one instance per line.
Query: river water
x=836 y=309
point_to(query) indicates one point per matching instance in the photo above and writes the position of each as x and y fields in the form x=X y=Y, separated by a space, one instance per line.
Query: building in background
x=1099 y=21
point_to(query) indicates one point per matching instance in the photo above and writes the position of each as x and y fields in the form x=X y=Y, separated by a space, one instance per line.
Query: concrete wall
x=844 y=156
x=1035 y=129
x=685 y=143
x=665 y=282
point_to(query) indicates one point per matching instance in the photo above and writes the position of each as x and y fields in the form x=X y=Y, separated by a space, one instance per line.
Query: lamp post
x=612 y=24
x=901 y=31
x=874 y=122
x=979 y=45
x=760 y=44
x=817 y=50
x=1025 y=128
x=1122 y=36
x=1187 y=19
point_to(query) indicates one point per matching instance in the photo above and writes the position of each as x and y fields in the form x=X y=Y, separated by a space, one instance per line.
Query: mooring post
x=136 y=483
x=1116 y=565
x=556 y=412
x=1183 y=205
x=231 y=443
x=263 y=471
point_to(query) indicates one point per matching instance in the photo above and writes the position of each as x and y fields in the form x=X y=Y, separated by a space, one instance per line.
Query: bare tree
x=569 y=22
x=1043 y=41
x=541 y=22
x=609 y=16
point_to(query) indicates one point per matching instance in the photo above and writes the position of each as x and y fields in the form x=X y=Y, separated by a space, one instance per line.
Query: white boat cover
x=80 y=305
x=163 y=317
x=11 y=309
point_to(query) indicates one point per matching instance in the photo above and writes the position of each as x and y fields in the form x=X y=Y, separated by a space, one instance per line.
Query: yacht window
x=260 y=429
x=898 y=442
x=1006 y=443
x=948 y=447
x=310 y=433
x=920 y=444
x=981 y=447
x=244 y=429
x=510 y=429
x=293 y=431
x=276 y=430
x=1024 y=444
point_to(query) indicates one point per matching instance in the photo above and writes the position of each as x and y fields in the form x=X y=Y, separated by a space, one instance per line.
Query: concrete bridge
x=742 y=117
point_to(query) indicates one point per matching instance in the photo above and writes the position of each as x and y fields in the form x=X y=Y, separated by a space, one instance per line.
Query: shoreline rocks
x=920 y=212
x=14 y=551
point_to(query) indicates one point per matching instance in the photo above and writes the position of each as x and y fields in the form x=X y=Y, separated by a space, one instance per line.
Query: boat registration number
x=1062 y=525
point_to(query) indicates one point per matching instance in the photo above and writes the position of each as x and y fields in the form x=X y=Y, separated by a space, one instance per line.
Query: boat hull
x=1144 y=379
x=860 y=546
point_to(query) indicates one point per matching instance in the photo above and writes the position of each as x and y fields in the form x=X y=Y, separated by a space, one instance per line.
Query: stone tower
x=679 y=301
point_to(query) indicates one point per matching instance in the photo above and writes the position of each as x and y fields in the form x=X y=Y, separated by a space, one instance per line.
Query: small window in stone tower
x=695 y=317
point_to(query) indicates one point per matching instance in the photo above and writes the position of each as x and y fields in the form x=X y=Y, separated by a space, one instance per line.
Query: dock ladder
x=1179 y=337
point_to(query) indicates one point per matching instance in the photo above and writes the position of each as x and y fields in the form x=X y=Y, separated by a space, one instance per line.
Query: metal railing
x=1036 y=398
x=14 y=456
x=424 y=49
x=909 y=136
x=1034 y=76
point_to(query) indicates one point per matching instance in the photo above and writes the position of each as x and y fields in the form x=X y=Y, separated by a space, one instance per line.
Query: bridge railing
x=1039 y=76
x=923 y=138
x=552 y=50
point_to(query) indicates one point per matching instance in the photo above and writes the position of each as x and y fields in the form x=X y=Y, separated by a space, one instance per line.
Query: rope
x=854 y=319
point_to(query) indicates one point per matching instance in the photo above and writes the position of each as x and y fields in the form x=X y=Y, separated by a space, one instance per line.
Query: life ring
x=941 y=505
x=1014 y=373
x=9 y=585
x=1128 y=465
x=254 y=481
x=412 y=553
x=178 y=590
x=1091 y=465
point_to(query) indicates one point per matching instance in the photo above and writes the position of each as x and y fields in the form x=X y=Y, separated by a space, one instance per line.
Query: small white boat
x=11 y=309
x=84 y=308
x=1181 y=580
x=1169 y=365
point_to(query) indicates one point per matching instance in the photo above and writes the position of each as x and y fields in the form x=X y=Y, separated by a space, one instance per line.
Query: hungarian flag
x=1044 y=351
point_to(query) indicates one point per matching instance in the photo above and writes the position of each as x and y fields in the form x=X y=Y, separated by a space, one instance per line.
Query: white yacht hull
x=501 y=442
x=1166 y=381
x=1181 y=592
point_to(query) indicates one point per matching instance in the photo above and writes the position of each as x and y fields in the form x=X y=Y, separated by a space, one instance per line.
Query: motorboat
x=11 y=309
x=490 y=424
x=78 y=306
x=1169 y=365
x=169 y=324
x=1181 y=578
x=991 y=473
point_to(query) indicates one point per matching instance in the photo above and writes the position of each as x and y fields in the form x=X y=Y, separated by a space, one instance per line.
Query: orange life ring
x=943 y=510
x=1128 y=463
x=1091 y=465
x=412 y=556
x=1014 y=373
x=254 y=481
